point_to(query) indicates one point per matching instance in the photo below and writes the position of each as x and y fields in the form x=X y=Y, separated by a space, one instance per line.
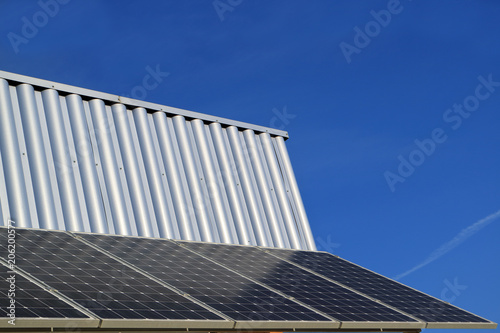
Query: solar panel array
x=103 y=281
x=330 y=298
x=98 y=283
x=232 y=294
x=377 y=286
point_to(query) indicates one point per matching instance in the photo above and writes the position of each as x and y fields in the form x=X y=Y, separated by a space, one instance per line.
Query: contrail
x=456 y=241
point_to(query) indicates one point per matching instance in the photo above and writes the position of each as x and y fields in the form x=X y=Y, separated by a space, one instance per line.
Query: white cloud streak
x=456 y=241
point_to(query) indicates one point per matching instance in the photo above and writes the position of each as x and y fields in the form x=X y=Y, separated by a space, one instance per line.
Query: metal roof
x=80 y=160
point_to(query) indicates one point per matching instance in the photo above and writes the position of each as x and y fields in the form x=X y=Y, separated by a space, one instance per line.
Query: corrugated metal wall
x=69 y=161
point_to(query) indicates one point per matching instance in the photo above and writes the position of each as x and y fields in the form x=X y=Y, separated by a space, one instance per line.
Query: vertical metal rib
x=139 y=204
x=239 y=190
x=265 y=189
x=11 y=159
x=288 y=173
x=56 y=197
x=202 y=182
x=106 y=201
x=259 y=225
x=143 y=175
x=220 y=182
x=170 y=209
x=232 y=184
x=112 y=179
x=47 y=217
x=121 y=171
x=153 y=173
x=280 y=190
x=76 y=166
x=174 y=177
x=4 y=198
x=64 y=165
x=193 y=177
x=3 y=216
x=88 y=172
x=214 y=186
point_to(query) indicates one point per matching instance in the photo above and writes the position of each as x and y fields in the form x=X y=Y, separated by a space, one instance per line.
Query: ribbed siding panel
x=132 y=172
x=279 y=189
x=42 y=187
x=213 y=182
x=232 y=186
x=78 y=163
x=249 y=187
x=95 y=212
x=4 y=198
x=154 y=175
x=11 y=161
x=64 y=164
x=295 y=197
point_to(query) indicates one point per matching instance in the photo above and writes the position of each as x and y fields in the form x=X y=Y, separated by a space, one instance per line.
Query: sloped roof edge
x=91 y=94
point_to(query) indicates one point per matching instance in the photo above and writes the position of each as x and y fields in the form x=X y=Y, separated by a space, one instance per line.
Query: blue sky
x=356 y=104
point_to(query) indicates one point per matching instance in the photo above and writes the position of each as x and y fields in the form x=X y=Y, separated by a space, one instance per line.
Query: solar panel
x=30 y=301
x=393 y=293
x=328 y=297
x=104 y=286
x=228 y=292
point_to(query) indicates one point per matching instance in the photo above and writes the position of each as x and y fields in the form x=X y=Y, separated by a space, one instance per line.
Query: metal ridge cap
x=84 y=92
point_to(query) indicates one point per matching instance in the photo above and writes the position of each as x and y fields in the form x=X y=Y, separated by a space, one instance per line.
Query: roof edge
x=88 y=93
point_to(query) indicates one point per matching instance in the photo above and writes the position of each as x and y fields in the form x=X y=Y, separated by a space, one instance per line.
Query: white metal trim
x=151 y=107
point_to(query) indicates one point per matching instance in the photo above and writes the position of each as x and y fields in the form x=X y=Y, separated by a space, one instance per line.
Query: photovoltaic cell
x=95 y=281
x=31 y=301
x=306 y=287
x=377 y=286
x=212 y=284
